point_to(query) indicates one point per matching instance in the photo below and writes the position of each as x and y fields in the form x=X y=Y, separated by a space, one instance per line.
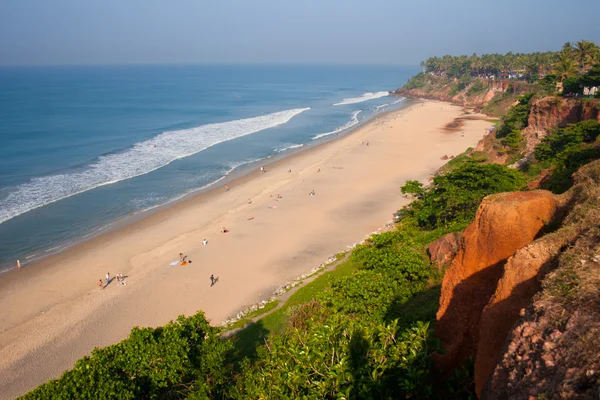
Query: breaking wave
x=353 y=121
x=364 y=97
x=144 y=157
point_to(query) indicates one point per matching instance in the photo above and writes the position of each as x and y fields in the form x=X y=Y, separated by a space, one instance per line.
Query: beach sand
x=53 y=312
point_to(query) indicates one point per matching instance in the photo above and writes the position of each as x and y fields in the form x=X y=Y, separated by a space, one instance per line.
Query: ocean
x=86 y=147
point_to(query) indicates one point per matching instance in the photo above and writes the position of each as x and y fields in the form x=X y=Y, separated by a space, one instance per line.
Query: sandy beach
x=53 y=311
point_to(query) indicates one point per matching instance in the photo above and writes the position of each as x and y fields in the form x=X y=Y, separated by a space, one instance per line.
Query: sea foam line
x=144 y=157
x=292 y=146
x=363 y=97
x=353 y=121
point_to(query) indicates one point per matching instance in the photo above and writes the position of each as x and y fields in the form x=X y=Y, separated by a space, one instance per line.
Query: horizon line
x=216 y=64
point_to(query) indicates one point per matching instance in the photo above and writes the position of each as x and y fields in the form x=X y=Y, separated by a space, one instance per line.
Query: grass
x=248 y=339
x=467 y=155
x=250 y=316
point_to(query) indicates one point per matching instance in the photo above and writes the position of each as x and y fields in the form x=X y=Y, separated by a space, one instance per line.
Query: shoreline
x=56 y=315
x=237 y=174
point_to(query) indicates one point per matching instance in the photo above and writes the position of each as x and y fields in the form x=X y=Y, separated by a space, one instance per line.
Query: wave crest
x=353 y=121
x=144 y=157
x=363 y=97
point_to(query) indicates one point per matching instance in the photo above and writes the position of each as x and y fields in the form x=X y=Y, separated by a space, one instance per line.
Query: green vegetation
x=565 y=150
x=270 y=306
x=478 y=86
x=454 y=197
x=567 y=62
x=516 y=117
x=185 y=355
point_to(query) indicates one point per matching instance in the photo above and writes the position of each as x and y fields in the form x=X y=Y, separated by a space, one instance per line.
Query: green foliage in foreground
x=185 y=355
x=453 y=198
x=567 y=149
x=336 y=356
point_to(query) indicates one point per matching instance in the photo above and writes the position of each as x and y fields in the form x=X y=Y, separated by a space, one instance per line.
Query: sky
x=397 y=32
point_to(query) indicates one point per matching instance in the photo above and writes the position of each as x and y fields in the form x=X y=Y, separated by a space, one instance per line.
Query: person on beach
x=226 y=188
x=290 y=170
x=107 y=278
x=100 y=284
x=312 y=193
x=249 y=201
x=212 y=280
x=204 y=242
x=279 y=196
x=18 y=264
x=318 y=170
x=225 y=230
x=180 y=257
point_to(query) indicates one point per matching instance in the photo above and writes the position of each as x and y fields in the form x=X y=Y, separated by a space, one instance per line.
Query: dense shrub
x=553 y=146
x=162 y=362
x=453 y=198
x=341 y=358
x=417 y=81
x=478 y=86
x=565 y=150
x=516 y=117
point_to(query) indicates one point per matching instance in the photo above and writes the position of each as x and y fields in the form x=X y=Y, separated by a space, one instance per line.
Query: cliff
x=554 y=348
x=476 y=93
x=548 y=113
x=517 y=244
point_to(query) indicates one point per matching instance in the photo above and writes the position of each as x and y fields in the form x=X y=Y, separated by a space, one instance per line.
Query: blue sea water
x=83 y=147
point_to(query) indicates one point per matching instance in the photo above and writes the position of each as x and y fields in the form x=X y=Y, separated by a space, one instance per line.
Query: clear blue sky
x=34 y=32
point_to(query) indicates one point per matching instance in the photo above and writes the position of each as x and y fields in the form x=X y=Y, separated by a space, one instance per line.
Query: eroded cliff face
x=517 y=244
x=443 y=91
x=504 y=223
x=553 y=350
x=549 y=113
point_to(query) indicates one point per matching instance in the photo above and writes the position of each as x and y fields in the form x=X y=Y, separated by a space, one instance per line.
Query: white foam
x=289 y=147
x=364 y=97
x=353 y=121
x=398 y=101
x=142 y=158
x=381 y=106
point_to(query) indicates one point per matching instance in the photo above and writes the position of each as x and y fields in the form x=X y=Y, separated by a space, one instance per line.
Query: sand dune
x=54 y=313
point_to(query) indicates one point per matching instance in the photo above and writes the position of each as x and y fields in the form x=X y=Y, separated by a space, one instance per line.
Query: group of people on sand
x=120 y=280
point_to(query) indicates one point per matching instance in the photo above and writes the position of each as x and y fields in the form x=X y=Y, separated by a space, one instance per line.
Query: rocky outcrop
x=442 y=251
x=504 y=223
x=549 y=113
x=441 y=88
x=553 y=349
x=520 y=281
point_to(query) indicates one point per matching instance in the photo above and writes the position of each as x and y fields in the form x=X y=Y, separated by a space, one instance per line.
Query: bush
x=516 y=117
x=187 y=353
x=341 y=358
x=453 y=198
x=477 y=87
x=554 y=145
x=417 y=81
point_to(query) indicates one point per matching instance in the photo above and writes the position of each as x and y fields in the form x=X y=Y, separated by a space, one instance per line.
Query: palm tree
x=565 y=67
x=584 y=52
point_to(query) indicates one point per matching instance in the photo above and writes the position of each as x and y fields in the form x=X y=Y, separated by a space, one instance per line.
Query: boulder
x=504 y=223
x=442 y=251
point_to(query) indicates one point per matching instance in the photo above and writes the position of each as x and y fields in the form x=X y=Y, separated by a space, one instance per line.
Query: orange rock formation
x=504 y=223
